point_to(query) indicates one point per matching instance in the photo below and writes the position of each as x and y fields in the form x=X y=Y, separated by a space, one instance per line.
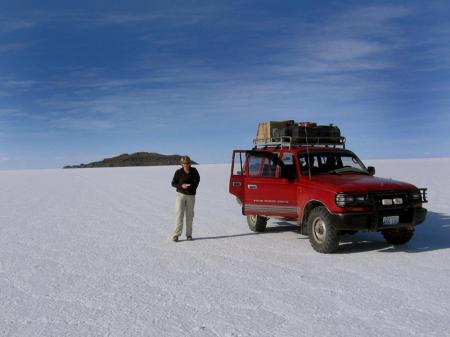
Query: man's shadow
x=276 y=227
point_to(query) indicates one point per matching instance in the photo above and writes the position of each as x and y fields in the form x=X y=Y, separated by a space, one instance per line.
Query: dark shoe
x=175 y=238
x=189 y=238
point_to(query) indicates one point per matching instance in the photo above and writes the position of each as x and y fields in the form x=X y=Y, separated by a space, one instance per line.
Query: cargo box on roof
x=267 y=130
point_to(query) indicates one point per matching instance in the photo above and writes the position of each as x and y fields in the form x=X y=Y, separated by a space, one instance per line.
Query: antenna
x=307 y=151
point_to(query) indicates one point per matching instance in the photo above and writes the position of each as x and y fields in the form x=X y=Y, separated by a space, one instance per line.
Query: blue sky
x=80 y=81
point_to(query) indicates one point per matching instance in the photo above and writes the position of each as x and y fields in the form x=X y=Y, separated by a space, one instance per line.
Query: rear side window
x=288 y=158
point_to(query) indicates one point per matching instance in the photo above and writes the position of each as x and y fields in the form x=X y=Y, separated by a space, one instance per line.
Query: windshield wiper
x=348 y=169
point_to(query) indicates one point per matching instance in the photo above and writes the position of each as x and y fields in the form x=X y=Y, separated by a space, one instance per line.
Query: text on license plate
x=391 y=220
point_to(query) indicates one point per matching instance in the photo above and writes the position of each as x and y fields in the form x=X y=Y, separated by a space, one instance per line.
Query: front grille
x=387 y=203
x=390 y=200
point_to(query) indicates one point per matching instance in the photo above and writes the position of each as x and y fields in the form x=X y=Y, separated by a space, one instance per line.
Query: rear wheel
x=398 y=236
x=322 y=234
x=256 y=223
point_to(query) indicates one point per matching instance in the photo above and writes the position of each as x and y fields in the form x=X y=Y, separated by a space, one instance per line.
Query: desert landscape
x=87 y=252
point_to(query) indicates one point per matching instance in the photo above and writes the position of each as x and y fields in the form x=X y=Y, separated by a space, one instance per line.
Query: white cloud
x=9 y=112
x=376 y=16
x=18 y=84
x=11 y=47
x=85 y=123
x=10 y=25
x=369 y=22
x=347 y=49
x=358 y=40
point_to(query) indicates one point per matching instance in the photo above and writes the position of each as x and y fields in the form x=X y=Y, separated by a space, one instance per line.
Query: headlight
x=361 y=199
x=416 y=196
x=419 y=195
x=344 y=199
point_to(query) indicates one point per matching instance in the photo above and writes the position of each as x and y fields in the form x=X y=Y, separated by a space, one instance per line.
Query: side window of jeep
x=260 y=166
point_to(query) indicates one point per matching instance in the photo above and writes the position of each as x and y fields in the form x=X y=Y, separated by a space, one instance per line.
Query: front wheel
x=322 y=234
x=256 y=223
x=398 y=236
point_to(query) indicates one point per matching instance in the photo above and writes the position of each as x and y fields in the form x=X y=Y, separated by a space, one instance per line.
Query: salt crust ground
x=87 y=253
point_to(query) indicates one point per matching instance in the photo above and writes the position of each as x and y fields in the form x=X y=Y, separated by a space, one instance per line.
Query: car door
x=268 y=190
x=238 y=174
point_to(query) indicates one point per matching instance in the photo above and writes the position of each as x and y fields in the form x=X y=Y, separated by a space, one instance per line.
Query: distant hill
x=134 y=159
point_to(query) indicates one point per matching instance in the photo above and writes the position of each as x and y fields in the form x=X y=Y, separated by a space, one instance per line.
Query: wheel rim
x=253 y=218
x=319 y=230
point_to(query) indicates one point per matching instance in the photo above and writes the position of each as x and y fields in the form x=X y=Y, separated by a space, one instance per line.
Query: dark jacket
x=180 y=177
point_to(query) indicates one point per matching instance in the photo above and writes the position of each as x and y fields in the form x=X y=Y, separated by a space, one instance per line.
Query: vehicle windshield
x=330 y=163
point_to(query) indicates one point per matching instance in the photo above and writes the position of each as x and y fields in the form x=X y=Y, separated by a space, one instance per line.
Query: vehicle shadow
x=433 y=234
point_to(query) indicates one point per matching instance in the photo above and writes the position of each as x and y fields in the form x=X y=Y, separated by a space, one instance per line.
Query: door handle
x=252 y=187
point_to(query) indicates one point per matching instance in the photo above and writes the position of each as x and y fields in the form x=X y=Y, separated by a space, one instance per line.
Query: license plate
x=391 y=220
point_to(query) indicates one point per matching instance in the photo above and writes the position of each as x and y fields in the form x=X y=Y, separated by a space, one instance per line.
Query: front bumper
x=374 y=222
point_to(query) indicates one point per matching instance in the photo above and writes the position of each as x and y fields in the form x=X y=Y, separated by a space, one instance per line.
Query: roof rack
x=288 y=141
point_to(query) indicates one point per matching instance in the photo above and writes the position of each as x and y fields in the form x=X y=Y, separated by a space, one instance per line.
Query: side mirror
x=371 y=170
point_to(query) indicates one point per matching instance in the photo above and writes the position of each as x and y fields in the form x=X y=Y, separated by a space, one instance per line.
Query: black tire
x=322 y=234
x=256 y=223
x=398 y=236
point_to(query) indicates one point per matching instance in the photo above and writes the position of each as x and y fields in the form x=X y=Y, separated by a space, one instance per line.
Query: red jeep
x=325 y=189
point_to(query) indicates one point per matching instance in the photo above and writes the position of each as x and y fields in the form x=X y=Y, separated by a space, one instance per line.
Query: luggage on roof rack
x=316 y=134
x=265 y=131
x=287 y=133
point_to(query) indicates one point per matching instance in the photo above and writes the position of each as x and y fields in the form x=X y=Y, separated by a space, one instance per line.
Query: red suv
x=326 y=190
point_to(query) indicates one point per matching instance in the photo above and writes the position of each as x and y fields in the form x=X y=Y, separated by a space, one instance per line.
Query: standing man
x=185 y=180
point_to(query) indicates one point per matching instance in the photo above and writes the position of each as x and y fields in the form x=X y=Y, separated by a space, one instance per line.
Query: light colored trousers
x=184 y=204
